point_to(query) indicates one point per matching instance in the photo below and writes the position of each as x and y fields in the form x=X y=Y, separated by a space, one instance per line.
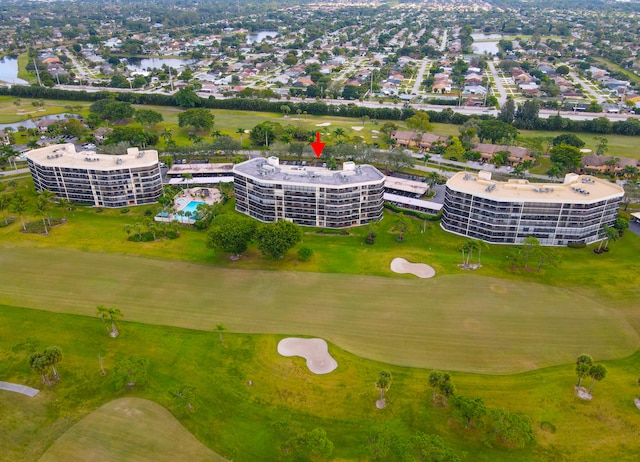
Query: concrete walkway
x=22 y=389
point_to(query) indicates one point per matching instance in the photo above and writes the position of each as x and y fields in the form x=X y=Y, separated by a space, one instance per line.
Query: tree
x=508 y=111
x=601 y=145
x=285 y=110
x=432 y=448
x=111 y=315
x=130 y=371
x=275 y=239
x=231 y=234
x=497 y=131
x=400 y=225
x=455 y=150
x=240 y=131
x=39 y=363
x=527 y=115
x=187 y=97
x=220 y=328
x=265 y=133
x=610 y=234
x=419 y=122
x=596 y=372
x=167 y=135
x=383 y=384
x=19 y=206
x=568 y=138
x=316 y=443
x=566 y=157
x=5 y=202
x=446 y=388
x=200 y=119
x=53 y=355
x=117 y=110
x=467 y=410
x=583 y=365
x=148 y=117
x=435 y=377
x=184 y=395
x=42 y=207
x=510 y=428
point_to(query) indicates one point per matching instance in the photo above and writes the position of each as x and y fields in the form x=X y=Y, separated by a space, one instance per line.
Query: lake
x=32 y=122
x=9 y=71
x=142 y=64
x=260 y=36
x=489 y=47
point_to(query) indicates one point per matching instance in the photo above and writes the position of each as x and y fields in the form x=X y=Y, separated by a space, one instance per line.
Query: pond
x=31 y=123
x=142 y=64
x=9 y=71
x=489 y=47
x=260 y=36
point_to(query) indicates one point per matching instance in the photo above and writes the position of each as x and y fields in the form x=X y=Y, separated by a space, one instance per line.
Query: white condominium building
x=98 y=179
x=309 y=196
x=507 y=212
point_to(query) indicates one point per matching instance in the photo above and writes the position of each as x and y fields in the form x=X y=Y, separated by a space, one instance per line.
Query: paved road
x=502 y=92
x=22 y=389
x=418 y=82
x=443 y=44
x=18 y=171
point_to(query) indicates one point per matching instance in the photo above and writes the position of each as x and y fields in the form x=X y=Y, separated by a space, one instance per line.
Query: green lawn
x=107 y=434
x=235 y=420
x=493 y=326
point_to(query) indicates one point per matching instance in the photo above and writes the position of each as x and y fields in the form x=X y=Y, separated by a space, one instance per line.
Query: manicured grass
x=107 y=434
x=235 y=420
x=10 y=113
x=493 y=326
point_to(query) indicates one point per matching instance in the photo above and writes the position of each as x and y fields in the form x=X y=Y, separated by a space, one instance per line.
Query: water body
x=31 y=123
x=486 y=36
x=260 y=36
x=138 y=64
x=9 y=71
x=481 y=48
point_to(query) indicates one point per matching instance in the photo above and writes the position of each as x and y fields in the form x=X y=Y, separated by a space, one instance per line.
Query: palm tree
x=610 y=234
x=19 y=205
x=435 y=377
x=597 y=372
x=383 y=383
x=339 y=132
x=240 y=131
x=167 y=135
x=5 y=201
x=583 y=366
x=111 y=314
x=54 y=356
x=127 y=228
x=401 y=226
x=42 y=206
x=219 y=329
x=216 y=133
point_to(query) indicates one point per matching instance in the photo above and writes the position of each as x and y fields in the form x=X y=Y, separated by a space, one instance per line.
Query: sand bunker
x=326 y=124
x=357 y=128
x=402 y=266
x=314 y=350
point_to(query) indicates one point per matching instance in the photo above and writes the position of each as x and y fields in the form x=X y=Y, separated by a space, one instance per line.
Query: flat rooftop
x=579 y=189
x=401 y=184
x=200 y=169
x=269 y=170
x=66 y=156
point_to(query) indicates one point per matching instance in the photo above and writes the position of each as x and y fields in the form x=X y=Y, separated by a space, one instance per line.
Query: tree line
x=525 y=117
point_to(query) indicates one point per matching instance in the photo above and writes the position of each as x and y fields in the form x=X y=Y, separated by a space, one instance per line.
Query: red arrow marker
x=317 y=145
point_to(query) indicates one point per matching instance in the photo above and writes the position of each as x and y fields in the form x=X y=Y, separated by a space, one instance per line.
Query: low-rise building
x=573 y=212
x=309 y=196
x=97 y=179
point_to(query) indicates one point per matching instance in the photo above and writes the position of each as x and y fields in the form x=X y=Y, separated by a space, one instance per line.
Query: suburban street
x=502 y=92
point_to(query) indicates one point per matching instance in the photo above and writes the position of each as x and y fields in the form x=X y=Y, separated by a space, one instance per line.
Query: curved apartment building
x=97 y=179
x=507 y=212
x=309 y=196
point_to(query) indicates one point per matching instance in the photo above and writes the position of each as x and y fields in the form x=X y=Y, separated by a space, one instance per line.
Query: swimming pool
x=191 y=207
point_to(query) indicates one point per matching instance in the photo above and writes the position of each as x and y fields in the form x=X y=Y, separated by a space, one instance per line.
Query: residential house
x=516 y=156
x=606 y=164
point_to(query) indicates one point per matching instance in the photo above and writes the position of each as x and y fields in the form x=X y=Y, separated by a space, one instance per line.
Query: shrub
x=305 y=254
x=124 y=210
x=148 y=213
x=577 y=245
